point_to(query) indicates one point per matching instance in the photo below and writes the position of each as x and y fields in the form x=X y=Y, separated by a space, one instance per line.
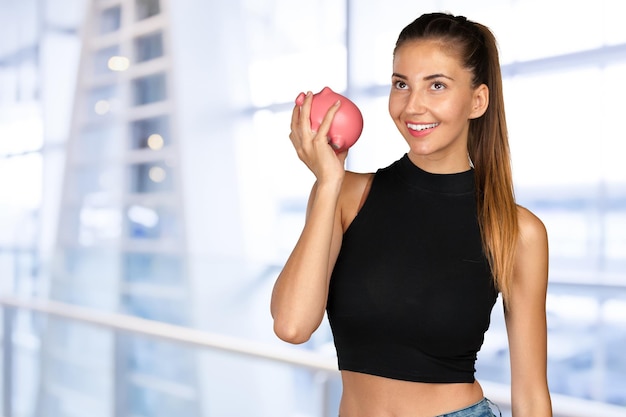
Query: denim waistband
x=480 y=409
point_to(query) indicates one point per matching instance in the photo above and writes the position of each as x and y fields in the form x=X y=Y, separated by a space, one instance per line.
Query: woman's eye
x=401 y=85
x=438 y=86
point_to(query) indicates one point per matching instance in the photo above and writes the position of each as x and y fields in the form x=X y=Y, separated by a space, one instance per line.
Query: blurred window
x=149 y=47
x=147 y=8
x=103 y=58
x=110 y=19
x=149 y=89
x=150 y=133
x=152 y=177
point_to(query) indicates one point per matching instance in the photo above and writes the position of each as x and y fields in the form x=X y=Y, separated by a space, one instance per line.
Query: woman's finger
x=305 y=111
x=324 y=128
x=295 y=116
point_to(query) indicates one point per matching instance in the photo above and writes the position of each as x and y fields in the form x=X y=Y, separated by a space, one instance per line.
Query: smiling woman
x=431 y=107
x=233 y=206
x=408 y=261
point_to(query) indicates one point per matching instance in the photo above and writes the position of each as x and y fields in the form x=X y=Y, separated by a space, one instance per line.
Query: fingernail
x=338 y=102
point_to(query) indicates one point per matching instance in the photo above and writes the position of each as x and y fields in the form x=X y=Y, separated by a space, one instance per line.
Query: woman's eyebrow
x=434 y=76
x=426 y=78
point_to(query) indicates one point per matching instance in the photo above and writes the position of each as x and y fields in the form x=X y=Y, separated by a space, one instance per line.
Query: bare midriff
x=373 y=396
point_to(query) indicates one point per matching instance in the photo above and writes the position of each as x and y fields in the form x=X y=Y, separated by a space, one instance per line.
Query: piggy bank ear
x=300 y=99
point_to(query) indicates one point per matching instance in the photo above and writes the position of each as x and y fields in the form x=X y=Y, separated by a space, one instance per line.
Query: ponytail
x=488 y=143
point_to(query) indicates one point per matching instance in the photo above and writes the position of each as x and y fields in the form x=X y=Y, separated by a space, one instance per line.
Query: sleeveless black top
x=411 y=293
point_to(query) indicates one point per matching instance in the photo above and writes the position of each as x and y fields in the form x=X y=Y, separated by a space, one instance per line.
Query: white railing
x=563 y=406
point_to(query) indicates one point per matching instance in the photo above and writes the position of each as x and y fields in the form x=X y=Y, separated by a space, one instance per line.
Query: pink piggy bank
x=347 y=124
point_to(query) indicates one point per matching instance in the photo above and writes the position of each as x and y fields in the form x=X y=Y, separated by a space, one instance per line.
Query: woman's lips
x=421 y=129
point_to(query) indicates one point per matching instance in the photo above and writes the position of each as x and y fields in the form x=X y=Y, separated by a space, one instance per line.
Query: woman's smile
x=421 y=129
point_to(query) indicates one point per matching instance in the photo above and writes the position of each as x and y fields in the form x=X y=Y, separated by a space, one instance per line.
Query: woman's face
x=431 y=102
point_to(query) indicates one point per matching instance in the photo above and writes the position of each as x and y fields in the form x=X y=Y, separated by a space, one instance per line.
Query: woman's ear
x=481 y=101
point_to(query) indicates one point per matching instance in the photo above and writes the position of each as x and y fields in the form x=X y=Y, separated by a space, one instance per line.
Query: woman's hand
x=313 y=148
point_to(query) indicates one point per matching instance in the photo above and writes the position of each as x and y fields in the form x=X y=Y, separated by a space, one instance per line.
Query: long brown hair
x=488 y=143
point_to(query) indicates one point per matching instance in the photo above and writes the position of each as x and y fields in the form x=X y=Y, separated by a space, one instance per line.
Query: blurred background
x=146 y=173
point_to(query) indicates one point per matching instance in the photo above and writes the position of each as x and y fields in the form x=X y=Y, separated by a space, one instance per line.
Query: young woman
x=408 y=261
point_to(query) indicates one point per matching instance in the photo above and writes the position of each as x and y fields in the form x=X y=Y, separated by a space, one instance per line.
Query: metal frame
x=563 y=406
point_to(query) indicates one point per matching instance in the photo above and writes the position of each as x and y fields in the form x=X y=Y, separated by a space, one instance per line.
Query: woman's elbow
x=291 y=334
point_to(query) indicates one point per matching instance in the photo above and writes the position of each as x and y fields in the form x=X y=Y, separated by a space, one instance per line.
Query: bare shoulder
x=531 y=256
x=355 y=185
x=532 y=230
x=356 y=180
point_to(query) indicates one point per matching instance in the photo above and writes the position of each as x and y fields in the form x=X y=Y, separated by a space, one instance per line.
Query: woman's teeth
x=422 y=127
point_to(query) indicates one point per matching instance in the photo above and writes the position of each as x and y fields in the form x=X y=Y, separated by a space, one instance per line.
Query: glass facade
x=110 y=20
x=156 y=178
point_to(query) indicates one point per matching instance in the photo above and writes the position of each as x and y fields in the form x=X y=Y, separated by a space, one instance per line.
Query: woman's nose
x=415 y=104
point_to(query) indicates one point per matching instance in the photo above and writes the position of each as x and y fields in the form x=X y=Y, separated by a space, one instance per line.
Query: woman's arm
x=301 y=290
x=525 y=315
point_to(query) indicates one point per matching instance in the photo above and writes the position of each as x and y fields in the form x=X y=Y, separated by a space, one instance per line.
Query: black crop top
x=411 y=293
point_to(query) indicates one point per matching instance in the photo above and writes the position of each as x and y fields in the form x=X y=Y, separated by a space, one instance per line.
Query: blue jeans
x=480 y=409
